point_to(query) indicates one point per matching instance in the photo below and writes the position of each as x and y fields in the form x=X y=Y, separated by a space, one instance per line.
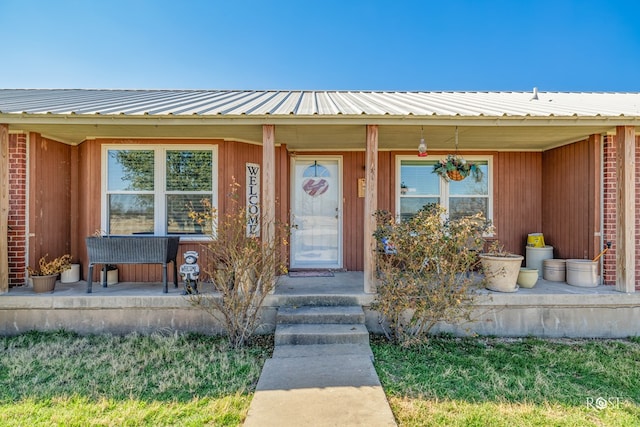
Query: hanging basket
x=455 y=175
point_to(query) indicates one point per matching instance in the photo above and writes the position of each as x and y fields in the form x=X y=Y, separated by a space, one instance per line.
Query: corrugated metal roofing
x=316 y=103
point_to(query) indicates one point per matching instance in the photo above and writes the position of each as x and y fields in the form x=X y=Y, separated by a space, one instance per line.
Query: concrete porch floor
x=342 y=283
x=552 y=309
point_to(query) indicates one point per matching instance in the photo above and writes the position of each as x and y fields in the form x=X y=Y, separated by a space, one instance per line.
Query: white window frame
x=444 y=185
x=159 y=192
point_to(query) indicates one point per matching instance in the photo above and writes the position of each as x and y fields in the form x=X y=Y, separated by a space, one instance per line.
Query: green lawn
x=512 y=382
x=68 y=380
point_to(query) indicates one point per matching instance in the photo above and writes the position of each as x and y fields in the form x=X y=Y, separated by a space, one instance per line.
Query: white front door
x=316 y=212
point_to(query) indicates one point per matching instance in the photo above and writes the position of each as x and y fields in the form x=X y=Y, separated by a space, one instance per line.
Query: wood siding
x=570 y=204
x=50 y=198
x=533 y=192
x=517 y=192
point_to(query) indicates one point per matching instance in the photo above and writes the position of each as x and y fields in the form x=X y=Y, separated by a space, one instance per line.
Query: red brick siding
x=17 y=209
x=609 y=208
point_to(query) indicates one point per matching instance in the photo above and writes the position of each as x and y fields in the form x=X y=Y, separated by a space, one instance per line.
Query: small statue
x=190 y=272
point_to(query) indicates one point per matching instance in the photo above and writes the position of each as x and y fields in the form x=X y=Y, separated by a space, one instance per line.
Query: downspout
x=27 y=204
x=602 y=239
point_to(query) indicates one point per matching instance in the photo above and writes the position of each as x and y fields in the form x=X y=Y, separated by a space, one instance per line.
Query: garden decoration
x=455 y=167
x=190 y=272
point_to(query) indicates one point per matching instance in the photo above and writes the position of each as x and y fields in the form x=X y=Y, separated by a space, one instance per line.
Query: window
x=419 y=186
x=152 y=189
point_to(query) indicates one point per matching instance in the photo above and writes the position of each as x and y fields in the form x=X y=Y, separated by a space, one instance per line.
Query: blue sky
x=558 y=45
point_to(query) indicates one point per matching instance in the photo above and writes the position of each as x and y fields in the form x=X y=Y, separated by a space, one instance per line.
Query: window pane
x=130 y=170
x=410 y=205
x=130 y=214
x=417 y=178
x=465 y=206
x=189 y=170
x=469 y=186
x=178 y=208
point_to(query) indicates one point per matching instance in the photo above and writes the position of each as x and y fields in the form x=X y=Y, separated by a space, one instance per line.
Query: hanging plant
x=456 y=168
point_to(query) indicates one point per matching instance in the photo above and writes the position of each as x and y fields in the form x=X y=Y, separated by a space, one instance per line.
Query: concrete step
x=320 y=350
x=318 y=300
x=322 y=314
x=306 y=334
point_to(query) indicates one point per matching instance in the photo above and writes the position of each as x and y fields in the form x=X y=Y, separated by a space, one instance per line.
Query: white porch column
x=370 y=207
x=4 y=208
x=625 y=208
x=268 y=183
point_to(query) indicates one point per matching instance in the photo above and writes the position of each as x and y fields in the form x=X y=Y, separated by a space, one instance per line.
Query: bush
x=243 y=269
x=423 y=270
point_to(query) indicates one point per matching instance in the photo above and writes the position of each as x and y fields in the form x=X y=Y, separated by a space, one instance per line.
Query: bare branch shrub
x=423 y=265
x=243 y=269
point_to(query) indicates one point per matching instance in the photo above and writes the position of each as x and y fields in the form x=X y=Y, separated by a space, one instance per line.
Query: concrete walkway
x=320 y=385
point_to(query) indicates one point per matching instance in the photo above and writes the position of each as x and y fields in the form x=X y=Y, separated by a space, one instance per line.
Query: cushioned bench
x=133 y=250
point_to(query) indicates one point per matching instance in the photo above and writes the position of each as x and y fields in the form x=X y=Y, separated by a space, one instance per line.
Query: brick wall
x=609 y=206
x=17 y=209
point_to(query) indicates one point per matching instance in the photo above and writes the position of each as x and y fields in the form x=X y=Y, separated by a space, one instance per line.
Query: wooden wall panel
x=570 y=200
x=517 y=193
x=50 y=198
x=386 y=181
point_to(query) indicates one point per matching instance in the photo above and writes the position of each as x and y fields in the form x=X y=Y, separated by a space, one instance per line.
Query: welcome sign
x=253 y=200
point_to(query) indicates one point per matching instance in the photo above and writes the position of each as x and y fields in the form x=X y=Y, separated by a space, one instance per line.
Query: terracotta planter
x=44 y=283
x=501 y=272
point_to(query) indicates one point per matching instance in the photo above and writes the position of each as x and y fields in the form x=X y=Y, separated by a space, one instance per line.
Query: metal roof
x=231 y=103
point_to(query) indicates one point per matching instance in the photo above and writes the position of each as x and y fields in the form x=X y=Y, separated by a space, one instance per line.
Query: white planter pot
x=501 y=272
x=72 y=275
x=527 y=277
x=112 y=277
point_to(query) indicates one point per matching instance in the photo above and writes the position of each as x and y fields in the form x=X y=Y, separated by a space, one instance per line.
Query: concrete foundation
x=550 y=309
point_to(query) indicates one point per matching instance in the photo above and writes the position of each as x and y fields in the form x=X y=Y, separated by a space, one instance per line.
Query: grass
x=512 y=382
x=193 y=380
x=64 y=379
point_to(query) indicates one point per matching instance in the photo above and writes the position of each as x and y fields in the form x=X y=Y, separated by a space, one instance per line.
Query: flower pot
x=527 y=277
x=501 y=272
x=455 y=175
x=71 y=275
x=44 y=283
x=112 y=276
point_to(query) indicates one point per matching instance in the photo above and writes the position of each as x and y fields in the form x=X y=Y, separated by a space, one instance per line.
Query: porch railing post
x=370 y=207
x=626 y=214
x=268 y=185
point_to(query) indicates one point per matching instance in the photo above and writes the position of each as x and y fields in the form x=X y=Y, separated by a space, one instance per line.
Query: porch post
x=626 y=218
x=4 y=208
x=370 y=207
x=268 y=183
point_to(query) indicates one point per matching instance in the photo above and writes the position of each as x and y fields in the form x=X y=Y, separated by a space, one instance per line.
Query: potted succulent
x=455 y=167
x=44 y=278
x=500 y=268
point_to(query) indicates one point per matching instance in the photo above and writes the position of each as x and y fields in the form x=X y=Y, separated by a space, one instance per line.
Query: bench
x=133 y=250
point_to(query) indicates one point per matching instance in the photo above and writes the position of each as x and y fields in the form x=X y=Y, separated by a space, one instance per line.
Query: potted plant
x=44 y=278
x=500 y=268
x=455 y=167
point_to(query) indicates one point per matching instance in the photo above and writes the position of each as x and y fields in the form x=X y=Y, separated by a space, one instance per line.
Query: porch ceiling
x=486 y=134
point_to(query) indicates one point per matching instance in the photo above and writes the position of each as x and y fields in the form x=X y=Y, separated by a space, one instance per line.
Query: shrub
x=243 y=269
x=423 y=271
